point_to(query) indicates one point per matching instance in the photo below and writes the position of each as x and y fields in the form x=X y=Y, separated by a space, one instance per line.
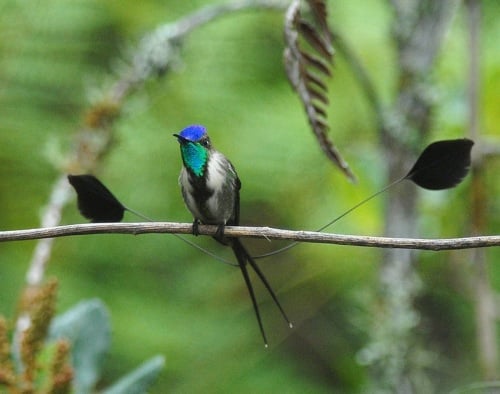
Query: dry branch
x=253 y=232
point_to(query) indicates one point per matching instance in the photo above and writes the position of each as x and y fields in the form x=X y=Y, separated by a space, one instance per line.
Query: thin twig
x=253 y=232
x=51 y=217
x=211 y=12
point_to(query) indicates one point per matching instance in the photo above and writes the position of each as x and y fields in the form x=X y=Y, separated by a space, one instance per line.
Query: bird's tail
x=243 y=257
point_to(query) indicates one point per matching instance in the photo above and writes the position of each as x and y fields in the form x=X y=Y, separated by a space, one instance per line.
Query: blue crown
x=193 y=133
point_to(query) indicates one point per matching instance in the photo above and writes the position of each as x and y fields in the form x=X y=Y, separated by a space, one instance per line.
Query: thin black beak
x=180 y=138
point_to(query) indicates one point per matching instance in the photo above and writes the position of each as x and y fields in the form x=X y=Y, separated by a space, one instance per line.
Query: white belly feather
x=217 y=181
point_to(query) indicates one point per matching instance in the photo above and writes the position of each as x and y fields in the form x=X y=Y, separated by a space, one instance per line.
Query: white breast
x=217 y=181
x=187 y=193
x=217 y=168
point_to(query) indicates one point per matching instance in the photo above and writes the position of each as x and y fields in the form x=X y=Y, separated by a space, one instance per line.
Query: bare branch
x=211 y=12
x=253 y=232
x=159 y=50
x=51 y=217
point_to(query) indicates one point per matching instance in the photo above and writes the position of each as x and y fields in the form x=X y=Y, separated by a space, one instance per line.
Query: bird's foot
x=195 y=230
x=219 y=234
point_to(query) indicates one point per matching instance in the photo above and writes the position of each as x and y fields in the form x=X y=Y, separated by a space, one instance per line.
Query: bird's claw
x=219 y=234
x=195 y=229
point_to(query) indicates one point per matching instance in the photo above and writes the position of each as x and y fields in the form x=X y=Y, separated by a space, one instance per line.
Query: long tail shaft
x=243 y=258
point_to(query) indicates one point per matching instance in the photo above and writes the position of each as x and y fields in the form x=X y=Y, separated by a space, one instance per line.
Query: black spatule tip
x=95 y=201
x=442 y=164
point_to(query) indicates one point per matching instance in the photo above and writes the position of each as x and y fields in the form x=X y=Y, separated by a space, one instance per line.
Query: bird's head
x=193 y=134
x=195 y=148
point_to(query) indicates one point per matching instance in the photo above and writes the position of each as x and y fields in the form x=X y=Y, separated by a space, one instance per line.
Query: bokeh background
x=167 y=298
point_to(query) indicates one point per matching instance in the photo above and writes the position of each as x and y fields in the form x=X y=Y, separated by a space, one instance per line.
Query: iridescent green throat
x=195 y=157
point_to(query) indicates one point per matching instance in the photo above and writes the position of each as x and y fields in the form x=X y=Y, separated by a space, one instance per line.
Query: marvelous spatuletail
x=211 y=190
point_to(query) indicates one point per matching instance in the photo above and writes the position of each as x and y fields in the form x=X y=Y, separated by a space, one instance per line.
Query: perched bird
x=211 y=190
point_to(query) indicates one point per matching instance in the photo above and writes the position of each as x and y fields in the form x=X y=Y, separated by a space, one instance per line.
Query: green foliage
x=87 y=328
x=168 y=299
x=70 y=357
x=139 y=380
x=29 y=364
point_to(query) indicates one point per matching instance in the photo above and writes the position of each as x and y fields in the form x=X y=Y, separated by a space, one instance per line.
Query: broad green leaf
x=139 y=380
x=87 y=327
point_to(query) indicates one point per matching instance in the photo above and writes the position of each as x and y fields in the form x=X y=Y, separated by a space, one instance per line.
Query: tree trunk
x=418 y=28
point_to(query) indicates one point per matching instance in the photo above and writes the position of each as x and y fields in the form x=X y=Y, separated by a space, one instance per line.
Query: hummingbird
x=211 y=191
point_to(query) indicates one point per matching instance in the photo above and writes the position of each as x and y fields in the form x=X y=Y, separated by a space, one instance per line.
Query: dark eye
x=206 y=143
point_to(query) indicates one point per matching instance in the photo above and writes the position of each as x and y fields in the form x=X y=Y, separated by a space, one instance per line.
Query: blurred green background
x=167 y=298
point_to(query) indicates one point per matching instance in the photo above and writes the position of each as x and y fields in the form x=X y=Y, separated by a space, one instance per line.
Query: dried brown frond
x=308 y=58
